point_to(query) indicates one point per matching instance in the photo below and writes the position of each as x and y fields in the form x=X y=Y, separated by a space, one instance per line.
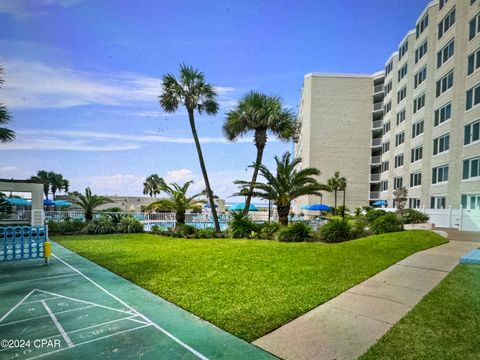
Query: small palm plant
x=6 y=135
x=89 y=202
x=335 y=184
x=151 y=185
x=192 y=91
x=286 y=185
x=263 y=115
x=177 y=200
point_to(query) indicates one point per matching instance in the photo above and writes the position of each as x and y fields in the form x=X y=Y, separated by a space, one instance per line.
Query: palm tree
x=57 y=183
x=89 y=202
x=263 y=115
x=177 y=200
x=151 y=185
x=194 y=93
x=335 y=184
x=6 y=135
x=44 y=178
x=286 y=185
x=400 y=197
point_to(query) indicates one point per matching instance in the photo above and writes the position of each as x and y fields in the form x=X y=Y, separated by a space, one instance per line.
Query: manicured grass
x=247 y=287
x=444 y=325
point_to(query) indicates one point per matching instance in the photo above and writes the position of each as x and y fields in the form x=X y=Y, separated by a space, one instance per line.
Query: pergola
x=35 y=188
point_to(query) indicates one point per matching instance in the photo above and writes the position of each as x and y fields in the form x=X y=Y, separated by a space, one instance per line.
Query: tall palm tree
x=151 y=185
x=263 y=115
x=57 y=183
x=177 y=200
x=286 y=185
x=44 y=178
x=192 y=91
x=6 y=135
x=335 y=184
x=89 y=202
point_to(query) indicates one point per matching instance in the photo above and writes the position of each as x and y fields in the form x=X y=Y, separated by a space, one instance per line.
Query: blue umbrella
x=208 y=206
x=317 y=207
x=18 y=202
x=48 y=202
x=61 y=203
x=380 y=203
x=241 y=206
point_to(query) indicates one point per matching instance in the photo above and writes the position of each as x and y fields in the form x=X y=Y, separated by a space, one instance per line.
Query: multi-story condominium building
x=416 y=124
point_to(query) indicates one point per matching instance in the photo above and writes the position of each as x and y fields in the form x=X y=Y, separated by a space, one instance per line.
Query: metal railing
x=377 y=124
x=374 y=195
x=376 y=160
x=377 y=142
x=378 y=89
x=375 y=177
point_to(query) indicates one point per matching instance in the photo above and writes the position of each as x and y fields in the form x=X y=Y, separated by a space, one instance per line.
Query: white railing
x=376 y=160
x=377 y=124
x=378 y=106
x=377 y=142
x=375 y=177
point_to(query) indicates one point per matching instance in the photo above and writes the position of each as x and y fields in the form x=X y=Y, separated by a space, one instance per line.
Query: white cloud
x=27 y=8
x=179 y=176
x=7 y=169
x=54 y=144
x=118 y=184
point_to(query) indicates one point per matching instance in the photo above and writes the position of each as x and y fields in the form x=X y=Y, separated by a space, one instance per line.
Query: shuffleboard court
x=75 y=309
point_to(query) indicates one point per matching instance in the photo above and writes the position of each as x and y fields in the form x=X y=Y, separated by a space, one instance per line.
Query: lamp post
x=321 y=202
x=269 y=210
x=343 y=208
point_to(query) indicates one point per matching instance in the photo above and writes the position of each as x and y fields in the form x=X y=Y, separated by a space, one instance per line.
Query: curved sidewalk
x=346 y=326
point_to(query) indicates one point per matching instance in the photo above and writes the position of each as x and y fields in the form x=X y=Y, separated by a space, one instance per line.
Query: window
x=471 y=168
x=397 y=182
x=385 y=166
x=414 y=203
x=473 y=97
x=445 y=53
x=389 y=68
x=403 y=50
x=474 y=27
x=471 y=132
x=421 y=51
x=438 y=202
x=401 y=116
x=418 y=103
x=417 y=128
x=421 y=26
x=420 y=76
x=402 y=94
x=388 y=87
x=446 y=23
x=385 y=147
x=402 y=72
x=471 y=201
x=441 y=144
x=387 y=107
x=398 y=161
x=386 y=127
x=400 y=138
x=443 y=114
x=441 y=4
x=415 y=179
x=473 y=62
x=417 y=153
x=444 y=83
x=439 y=174
x=384 y=185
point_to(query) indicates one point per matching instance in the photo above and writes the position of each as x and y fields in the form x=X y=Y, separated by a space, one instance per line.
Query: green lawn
x=247 y=287
x=444 y=325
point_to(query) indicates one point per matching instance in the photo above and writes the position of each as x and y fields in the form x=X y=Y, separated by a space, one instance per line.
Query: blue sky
x=83 y=78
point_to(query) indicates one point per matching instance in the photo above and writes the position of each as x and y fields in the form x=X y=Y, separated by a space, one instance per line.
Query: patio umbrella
x=241 y=206
x=48 y=202
x=380 y=203
x=61 y=203
x=18 y=202
x=317 y=207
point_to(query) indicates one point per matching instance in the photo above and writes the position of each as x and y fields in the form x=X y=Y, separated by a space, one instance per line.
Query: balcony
x=374 y=195
x=378 y=89
x=377 y=142
x=374 y=177
x=378 y=106
x=377 y=124
x=375 y=160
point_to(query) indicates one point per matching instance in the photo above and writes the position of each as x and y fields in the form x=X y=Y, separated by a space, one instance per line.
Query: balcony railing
x=375 y=177
x=378 y=88
x=377 y=124
x=376 y=160
x=378 y=106
x=374 y=195
x=377 y=142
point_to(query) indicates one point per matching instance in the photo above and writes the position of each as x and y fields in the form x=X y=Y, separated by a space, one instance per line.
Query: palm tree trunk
x=204 y=170
x=180 y=217
x=260 y=141
x=283 y=212
x=335 y=207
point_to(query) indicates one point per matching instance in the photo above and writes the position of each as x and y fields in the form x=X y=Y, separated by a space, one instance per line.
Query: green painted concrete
x=88 y=312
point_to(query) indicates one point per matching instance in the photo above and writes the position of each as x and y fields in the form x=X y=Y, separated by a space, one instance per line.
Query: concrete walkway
x=346 y=326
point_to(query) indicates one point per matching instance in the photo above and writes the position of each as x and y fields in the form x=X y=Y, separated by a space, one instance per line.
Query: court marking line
x=15 y=306
x=35 y=301
x=58 y=325
x=86 y=302
x=42 y=278
x=158 y=327
x=89 y=341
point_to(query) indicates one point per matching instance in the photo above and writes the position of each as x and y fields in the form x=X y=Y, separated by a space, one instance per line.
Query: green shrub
x=386 y=223
x=373 y=214
x=128 y=224
x=206 y=234
x=268 y=230
x=296 y=232
x=101 y=225
x=412 y=216
x=184 y=230
x=116 y=217
x=66 y=227
x=336 y=231
x=359 y=226
x=241 y=226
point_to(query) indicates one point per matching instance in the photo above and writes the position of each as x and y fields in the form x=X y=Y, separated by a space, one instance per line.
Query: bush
x=386 y=223
x=336 y=231
x=268 y=230
x=206 y=234
x=101 y=225
x=296 y=232
x=66 y=227
x=412 y=216
x=241 y=225
x=184 y=230
x=359 y=227
x=373 y=214
x=128 y=224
